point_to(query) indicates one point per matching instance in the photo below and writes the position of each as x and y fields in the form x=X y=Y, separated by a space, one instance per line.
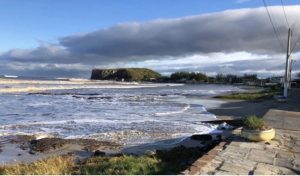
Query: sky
x=67 y=38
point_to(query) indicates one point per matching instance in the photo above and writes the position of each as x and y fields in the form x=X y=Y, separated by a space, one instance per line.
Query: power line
x=296 y=43
x=285 y=16
x=275 y=31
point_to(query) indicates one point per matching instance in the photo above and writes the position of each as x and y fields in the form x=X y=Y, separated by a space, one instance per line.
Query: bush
x=254 y=123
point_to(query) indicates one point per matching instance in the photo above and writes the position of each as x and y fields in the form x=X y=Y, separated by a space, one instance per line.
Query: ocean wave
x=188 y=106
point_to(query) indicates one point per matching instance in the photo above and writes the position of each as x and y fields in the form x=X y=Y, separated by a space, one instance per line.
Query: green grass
x=121 y=165
x=163 y=162
x=252 y=96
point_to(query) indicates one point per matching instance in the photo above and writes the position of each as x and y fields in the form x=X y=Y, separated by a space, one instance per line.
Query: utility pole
x=288 y=64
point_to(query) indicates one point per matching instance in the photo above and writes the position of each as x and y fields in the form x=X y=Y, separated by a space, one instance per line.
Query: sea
x=126 y=113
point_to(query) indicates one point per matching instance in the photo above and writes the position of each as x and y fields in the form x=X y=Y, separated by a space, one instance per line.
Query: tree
x=298 y=75
x=179 y=76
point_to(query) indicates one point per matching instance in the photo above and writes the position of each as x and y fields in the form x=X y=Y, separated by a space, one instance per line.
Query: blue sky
x=68 y=38
x=26 y=23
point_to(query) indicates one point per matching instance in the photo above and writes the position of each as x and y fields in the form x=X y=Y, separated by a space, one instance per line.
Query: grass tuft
x=121 y=165
x=58 y=165
x=254 y=123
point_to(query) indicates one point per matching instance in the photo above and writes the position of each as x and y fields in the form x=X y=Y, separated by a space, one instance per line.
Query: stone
x=150 y=152
x=206 y=158
x=99 y=153
x=235 y=143
x=202 y=137
x=213 y=152
x=46 y=144
x=267 y=169
x=262 y=156
x=235 y=152
x=284 y=162
x=221 y=173
x=200 y=163
x=33 y=142
x=285 y=155
x=194 y=170
x=239 y=161
x=252 y=145
x=31 y=152
x=236 y=168
x=296 y=163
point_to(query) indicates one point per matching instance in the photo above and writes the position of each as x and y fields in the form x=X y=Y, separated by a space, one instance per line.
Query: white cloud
x=229 y=41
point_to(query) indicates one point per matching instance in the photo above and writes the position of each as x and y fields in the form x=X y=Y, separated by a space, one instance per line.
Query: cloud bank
x=188 y=40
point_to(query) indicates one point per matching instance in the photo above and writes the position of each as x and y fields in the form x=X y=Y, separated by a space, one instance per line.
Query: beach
x=199 y=113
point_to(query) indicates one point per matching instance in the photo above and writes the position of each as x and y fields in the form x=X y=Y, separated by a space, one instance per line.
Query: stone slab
x=262 y=156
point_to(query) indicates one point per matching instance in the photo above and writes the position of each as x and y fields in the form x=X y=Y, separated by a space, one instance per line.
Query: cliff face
x=126 y=74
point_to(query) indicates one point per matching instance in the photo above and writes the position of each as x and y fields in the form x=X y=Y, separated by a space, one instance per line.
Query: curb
x=200 y=163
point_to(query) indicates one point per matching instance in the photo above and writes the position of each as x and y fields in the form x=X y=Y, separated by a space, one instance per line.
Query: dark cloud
x=231 y=31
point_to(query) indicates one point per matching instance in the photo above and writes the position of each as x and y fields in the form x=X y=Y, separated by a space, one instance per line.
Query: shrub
x=254 y=123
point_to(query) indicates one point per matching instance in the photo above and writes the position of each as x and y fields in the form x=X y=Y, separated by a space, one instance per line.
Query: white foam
x=133 y=114
x=188 y=106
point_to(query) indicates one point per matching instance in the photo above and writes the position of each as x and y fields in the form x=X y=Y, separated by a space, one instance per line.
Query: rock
x=31 y=152
x=202 y=137
x=150 y=152
x=71 y=154
x=224 y=126
x=99 y=153
x=46 y=144
x=33 y=142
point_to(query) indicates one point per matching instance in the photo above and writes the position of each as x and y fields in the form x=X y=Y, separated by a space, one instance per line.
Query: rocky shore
x=24 y=148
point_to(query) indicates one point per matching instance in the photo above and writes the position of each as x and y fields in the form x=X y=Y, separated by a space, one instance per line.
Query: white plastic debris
x=224 y=126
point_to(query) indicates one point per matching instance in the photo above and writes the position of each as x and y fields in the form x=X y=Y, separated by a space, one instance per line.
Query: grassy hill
x=126 y=74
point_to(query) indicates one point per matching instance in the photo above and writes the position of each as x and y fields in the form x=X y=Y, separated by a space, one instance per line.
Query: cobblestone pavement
x=278 y=157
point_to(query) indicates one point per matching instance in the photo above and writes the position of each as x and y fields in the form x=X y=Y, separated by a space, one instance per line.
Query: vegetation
x=254 y=123
x=298 y=75
x=51 y=166
x=126 y=74
x=230 y=78
x=188 y=76
x=268 y=93
x=122 y=165
x=163 y=162
x=144 y=74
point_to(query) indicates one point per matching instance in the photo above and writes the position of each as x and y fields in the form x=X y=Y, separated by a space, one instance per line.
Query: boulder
x=99 y=153
x=202 y=137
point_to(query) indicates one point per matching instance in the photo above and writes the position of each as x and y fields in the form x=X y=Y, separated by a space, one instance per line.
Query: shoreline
x=15 y=152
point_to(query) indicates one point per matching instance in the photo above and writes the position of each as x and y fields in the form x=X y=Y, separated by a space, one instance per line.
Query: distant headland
x=125 y=74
